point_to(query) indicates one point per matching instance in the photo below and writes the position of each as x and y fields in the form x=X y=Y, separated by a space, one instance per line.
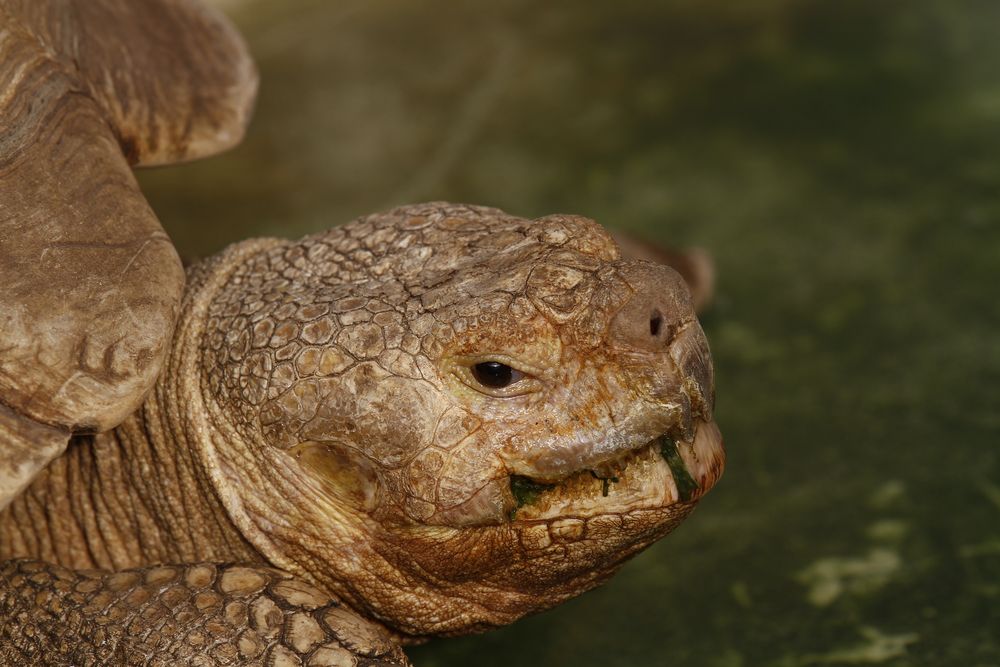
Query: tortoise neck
x=127 y=498
x=143 y=493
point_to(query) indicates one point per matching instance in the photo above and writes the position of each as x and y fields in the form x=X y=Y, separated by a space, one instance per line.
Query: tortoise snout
x=658 y=330
x=658 y=308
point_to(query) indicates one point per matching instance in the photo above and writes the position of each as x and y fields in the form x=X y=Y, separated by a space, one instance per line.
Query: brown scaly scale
x=428 y=421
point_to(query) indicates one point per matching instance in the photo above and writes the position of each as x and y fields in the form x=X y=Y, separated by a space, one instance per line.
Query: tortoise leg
x=694 y=264
x=186 y=615
x=25 y=448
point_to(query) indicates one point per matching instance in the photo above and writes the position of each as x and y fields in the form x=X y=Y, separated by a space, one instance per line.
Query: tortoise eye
x=496 y=375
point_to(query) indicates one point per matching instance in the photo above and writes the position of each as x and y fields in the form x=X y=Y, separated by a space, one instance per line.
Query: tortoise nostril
x=658 y=304
x=655 y=323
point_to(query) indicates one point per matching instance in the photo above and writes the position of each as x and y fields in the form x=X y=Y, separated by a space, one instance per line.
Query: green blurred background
x=841 y=162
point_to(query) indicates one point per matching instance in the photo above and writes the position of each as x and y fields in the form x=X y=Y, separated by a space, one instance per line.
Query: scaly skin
x=167 y=616
x=319 y=413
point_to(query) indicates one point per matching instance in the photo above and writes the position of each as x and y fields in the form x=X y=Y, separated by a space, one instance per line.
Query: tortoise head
x=450 y=416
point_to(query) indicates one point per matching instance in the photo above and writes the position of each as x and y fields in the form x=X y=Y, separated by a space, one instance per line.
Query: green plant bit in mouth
x=526 y=491
x=529 y=492
x=686 y=486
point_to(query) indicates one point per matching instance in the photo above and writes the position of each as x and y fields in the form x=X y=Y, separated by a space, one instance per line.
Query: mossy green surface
x=525 y=491
x=841 y=162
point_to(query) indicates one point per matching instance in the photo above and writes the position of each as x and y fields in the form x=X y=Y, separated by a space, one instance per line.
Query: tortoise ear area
x=342 y=471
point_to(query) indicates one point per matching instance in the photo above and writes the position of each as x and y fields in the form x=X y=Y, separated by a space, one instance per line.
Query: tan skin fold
x=429 y=421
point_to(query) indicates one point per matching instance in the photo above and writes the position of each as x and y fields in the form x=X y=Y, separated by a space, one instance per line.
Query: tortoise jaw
x=664 y=472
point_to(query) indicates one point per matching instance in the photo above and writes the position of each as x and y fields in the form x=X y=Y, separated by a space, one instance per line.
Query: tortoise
x=426 y=422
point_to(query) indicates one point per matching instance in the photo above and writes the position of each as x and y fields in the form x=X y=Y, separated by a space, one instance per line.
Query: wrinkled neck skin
x=123 y=499
x=150 y=491
x=135 y=496
x=128 y=498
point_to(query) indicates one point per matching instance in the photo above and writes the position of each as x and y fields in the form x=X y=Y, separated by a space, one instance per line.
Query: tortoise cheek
x=343 y=471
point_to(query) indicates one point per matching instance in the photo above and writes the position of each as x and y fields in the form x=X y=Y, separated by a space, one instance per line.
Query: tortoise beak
x=663 y=473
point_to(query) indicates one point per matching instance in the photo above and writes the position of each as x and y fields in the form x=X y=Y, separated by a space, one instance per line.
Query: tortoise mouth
x=664 y=472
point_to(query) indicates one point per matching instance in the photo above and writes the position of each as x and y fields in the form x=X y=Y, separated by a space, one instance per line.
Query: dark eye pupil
x=493 y=374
